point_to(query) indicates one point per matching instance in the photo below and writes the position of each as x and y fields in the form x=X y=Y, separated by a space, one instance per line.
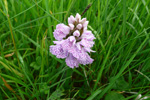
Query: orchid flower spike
x=74 y=42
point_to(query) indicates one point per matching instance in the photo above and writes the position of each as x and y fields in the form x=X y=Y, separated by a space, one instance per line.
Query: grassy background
x=121 y=67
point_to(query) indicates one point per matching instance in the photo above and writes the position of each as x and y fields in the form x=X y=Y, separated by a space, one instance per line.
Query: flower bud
x=76 y=33
x=78 y=17
x=85 y=23
x=83 y=20
x=71 y=26
x=79 y=26
x=71 y=20
x=72 y=39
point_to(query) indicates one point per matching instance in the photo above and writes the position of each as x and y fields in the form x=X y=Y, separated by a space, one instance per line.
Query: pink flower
x=74 y=42
x=58 y=51
x=61 y=31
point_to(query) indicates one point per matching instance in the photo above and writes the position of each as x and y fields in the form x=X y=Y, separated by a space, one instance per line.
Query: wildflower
x=61 y=31
x=74 y=42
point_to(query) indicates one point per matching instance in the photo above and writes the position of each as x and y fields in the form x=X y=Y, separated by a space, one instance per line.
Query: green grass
x=121 y=67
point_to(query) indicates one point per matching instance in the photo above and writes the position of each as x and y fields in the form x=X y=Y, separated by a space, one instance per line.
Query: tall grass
x=121 y=67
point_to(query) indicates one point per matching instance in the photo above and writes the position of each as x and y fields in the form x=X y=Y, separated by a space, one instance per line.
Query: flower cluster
x=74 y=42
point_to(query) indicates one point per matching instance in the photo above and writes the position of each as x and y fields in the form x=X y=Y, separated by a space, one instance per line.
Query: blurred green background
x=121 y=67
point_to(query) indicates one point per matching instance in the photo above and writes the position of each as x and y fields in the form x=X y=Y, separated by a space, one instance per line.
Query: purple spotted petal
x=86 y=43
x=88 y=35
x=71 y=61
x=88 y=60
x=58 y=51
x=61 y=31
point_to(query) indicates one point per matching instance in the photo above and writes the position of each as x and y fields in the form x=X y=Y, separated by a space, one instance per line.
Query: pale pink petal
x=58 y=51
x=88 y=60
x=72 y=61
x=88 y=35
x=72 y=40
x=78 y=45
x=61 y=31
x=86 y=43
x=88 y=49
